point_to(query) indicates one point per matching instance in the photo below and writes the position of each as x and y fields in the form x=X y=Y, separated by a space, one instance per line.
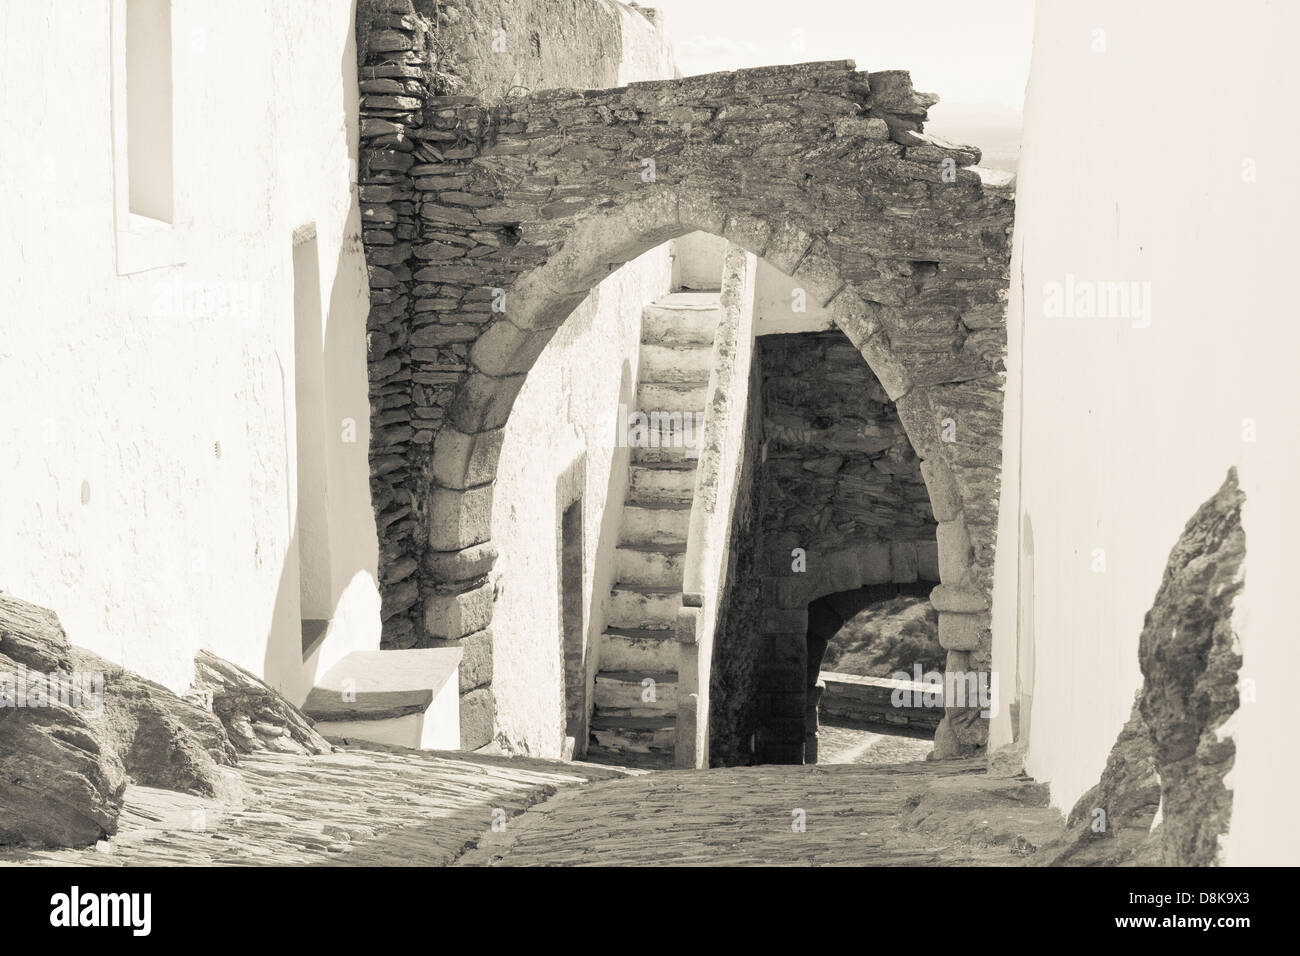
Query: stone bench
x=852 y=697
x=402 y=698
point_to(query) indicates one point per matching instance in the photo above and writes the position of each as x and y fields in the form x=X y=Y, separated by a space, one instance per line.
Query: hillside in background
x=887 y=636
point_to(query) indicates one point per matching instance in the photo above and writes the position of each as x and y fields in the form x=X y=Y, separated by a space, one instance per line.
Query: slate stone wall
x=844 y=506
x=737 y=643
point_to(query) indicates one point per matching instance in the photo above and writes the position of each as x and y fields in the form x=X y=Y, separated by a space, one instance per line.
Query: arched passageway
x=520 y=209
x=827 y=617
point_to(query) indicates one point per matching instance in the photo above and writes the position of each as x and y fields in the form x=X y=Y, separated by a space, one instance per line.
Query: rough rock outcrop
x=76 y=728
x=255 y=716
x=1190 y=661
x=162 y=740
x=60 y=785
x=1169 y=756
x=1127 y=796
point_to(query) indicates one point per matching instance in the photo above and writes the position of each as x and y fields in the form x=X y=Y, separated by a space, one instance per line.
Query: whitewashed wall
x=114 y=382
x=1163 y=157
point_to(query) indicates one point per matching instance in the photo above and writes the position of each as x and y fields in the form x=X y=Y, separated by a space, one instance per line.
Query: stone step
x=637 y=606
x=634 y=734
x=662 y=484
x=672 y=397
x=658 y=566
x=624 y=693
x=408 y=698
x=665 y=456
x=686 y=318
x=655 y=760
x=655 y=524
x=662 y=428
x=676 y=363
x=653 y=650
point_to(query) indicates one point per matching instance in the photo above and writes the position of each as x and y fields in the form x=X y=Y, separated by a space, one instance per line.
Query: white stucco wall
x=114 y=382
x=567 y=408
x=782 y=305
x=697 y=261
x=647 y=53
x=1126 y=428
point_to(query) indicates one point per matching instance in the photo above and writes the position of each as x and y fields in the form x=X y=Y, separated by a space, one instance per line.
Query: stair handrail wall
x=721 y=448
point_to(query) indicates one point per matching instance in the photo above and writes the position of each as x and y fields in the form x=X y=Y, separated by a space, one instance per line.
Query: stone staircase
x=635 y=714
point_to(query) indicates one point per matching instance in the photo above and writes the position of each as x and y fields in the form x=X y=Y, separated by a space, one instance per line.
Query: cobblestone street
x=407 y=808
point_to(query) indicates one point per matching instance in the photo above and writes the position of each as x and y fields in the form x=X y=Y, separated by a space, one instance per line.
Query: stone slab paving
x=394 y=807
x=851 y=815
x=352 y=807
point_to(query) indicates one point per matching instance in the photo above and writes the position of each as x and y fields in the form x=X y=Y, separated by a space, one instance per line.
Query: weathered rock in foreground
x=1190 y=664
x=75 y=728
x=256 y=716
x=162 y=740
x=59 y=784
x=1168 y=752
x=1111 y=823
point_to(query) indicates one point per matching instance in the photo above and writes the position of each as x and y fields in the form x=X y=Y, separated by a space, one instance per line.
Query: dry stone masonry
x=486 y=225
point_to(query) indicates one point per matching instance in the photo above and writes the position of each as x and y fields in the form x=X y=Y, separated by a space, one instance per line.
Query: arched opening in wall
x=828 y=467
x=832 y=471
x=865 y=648
x=504 y=230
x=656 y=707
x=845 y=510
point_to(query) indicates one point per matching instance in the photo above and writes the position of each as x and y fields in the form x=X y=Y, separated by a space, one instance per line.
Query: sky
x=966 y=51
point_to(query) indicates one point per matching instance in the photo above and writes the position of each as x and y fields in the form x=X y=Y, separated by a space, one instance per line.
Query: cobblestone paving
x=351 y=807
x=791 y=816
x=406 y=808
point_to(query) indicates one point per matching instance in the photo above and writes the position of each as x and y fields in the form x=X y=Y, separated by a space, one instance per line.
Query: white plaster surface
x=116 y=384
x=1124 y=430
x=778 y=309
x=697 y=261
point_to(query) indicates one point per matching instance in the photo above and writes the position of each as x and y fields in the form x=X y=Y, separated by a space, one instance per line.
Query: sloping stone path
x=410 y=808
x=912 y=814
x=350 y=807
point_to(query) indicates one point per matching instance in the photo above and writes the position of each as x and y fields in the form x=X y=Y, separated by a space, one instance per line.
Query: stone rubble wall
x=524 y=205
x=843 y=481
x=737 y=646
x=429 y=302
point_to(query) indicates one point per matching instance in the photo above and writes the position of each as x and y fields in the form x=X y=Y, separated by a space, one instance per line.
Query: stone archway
x=818 y=168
